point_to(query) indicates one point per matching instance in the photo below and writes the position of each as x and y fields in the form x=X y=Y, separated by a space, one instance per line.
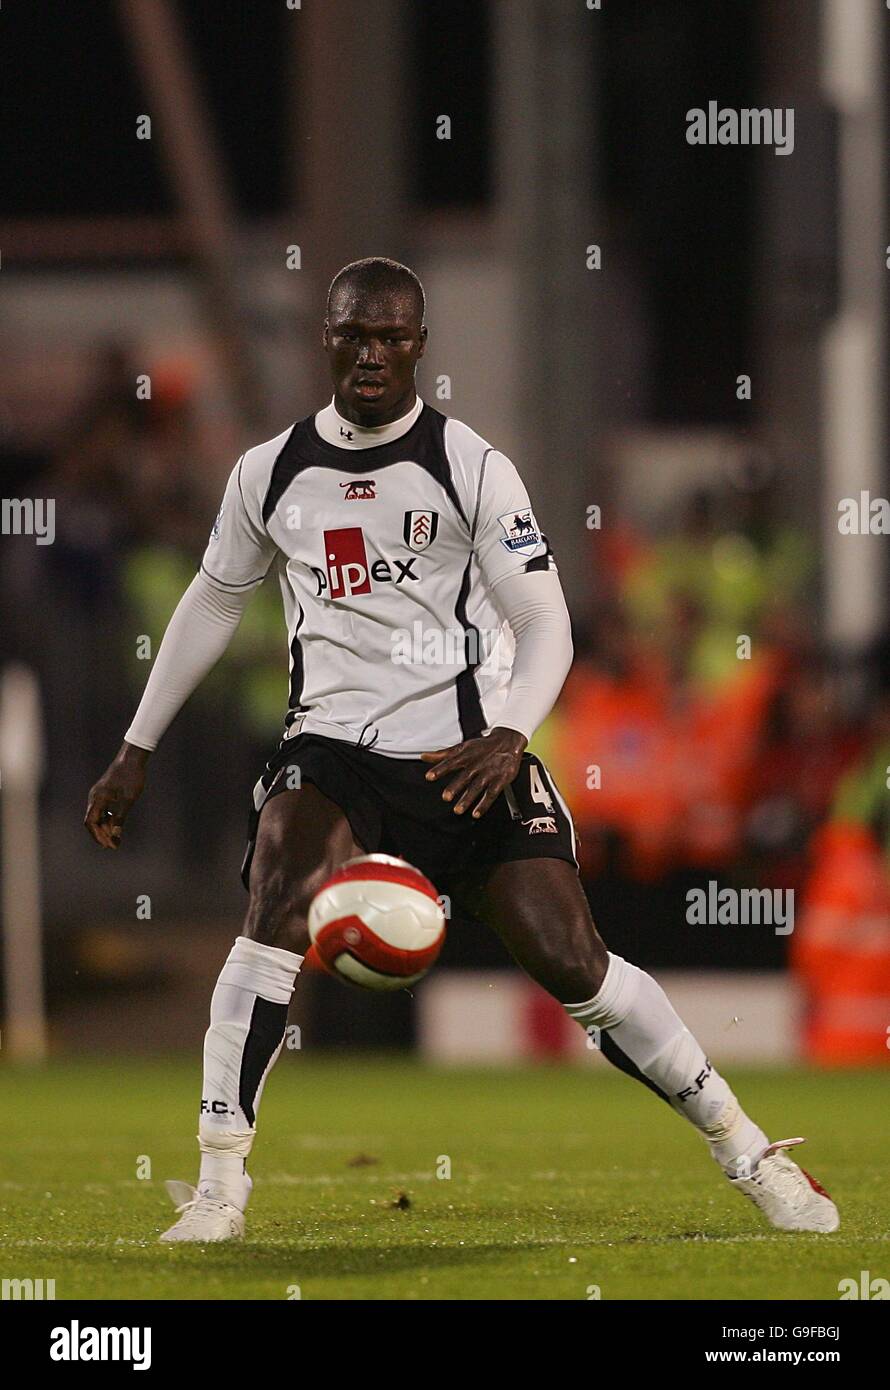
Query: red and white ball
x=377 y=922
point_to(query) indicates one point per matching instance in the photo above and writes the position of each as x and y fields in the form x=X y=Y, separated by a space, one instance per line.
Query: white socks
x=248 y=1017
x=641 y=1033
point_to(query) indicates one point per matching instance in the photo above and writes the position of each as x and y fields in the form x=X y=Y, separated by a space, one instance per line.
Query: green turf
x=561 y=1178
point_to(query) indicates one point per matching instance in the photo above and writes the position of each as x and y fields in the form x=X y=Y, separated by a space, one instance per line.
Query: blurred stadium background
x=161 y=310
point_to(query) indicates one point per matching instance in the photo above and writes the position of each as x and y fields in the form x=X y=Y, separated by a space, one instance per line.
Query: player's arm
x=234 y=564
x=526 y=587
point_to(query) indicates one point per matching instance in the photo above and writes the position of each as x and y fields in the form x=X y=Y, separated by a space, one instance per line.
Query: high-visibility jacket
x=841 y=947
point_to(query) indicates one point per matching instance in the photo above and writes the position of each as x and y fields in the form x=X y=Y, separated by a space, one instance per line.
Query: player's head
x=373 y=335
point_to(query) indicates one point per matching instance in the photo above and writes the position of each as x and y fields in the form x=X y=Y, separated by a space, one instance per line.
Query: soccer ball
x=377 y=922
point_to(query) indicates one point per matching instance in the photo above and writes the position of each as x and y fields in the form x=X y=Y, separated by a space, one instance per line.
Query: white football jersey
x=389 y=559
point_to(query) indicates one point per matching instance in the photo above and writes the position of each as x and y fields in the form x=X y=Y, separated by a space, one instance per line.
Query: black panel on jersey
x=296 y=675
x=423 y=444
x=469 y=705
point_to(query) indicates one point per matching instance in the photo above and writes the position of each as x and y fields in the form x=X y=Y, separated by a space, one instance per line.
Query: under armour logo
x=541 y=825
x=345 y=434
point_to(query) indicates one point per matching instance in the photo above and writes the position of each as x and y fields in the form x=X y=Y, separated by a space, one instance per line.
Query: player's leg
x=302 y=837
x=538 y=908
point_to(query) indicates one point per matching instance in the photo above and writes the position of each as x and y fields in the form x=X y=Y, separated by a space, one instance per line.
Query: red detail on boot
x=816 y=1186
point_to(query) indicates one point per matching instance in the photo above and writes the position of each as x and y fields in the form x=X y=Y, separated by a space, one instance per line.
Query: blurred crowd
x=702 y=725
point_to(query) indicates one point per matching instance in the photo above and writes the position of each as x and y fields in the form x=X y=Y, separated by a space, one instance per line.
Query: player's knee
x=598 y=954
x=573 y=983
x=577 y=972
x=279 y=907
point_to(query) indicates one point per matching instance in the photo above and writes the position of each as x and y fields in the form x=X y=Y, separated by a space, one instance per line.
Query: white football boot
x=203 y=1218
x=786 y=1194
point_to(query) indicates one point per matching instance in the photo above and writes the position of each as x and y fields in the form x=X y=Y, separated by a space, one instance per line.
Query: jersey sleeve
x=240 y=549
x=506 y=536
x=536 y=611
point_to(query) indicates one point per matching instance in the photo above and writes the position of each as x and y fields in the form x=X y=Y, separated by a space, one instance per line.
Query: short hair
x=379 y=275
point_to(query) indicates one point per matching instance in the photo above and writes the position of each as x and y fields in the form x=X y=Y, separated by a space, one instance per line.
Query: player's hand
x=478 y=769
x=114 y=795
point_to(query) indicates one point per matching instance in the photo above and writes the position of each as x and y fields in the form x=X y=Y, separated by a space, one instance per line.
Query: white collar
x=335 y=430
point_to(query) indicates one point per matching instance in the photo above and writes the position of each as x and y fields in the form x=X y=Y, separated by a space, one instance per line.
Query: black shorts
x=393 y=809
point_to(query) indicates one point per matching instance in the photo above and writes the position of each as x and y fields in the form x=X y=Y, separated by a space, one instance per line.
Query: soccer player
x=384 y=518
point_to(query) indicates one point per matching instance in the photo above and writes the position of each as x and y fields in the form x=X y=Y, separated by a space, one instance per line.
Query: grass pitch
x=564 y=1181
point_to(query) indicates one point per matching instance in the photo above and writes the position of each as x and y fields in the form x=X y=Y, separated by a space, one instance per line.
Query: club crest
x=420 y=529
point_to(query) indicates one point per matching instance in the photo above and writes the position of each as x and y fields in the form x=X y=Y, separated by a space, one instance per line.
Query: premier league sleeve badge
x=521 y=533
